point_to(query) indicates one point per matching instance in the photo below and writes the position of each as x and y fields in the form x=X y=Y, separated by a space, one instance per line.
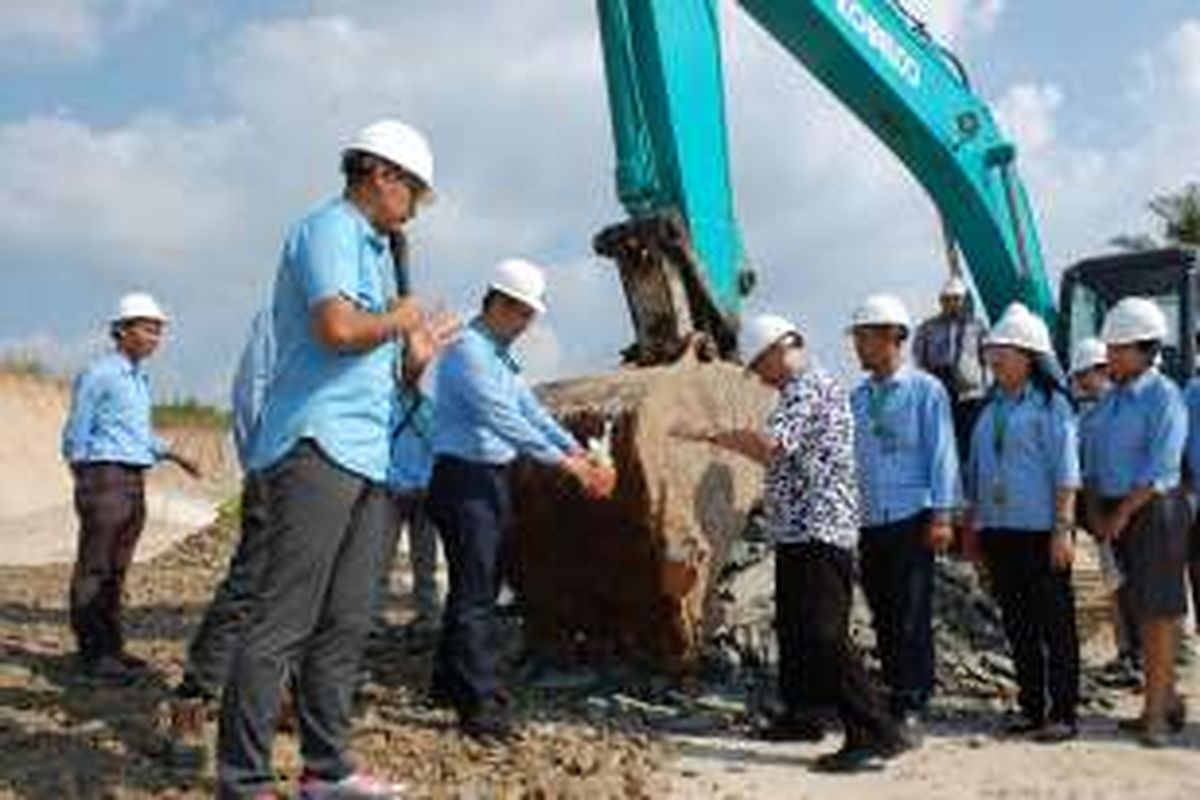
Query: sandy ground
x=37 y=520
x=960 y=760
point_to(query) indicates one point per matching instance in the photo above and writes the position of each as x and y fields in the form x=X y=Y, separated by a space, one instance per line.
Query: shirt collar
x=1014 y=399
x=503 y=350
x=128 y=365
x=378 y=241
x=895 y=379
x=1138 y=385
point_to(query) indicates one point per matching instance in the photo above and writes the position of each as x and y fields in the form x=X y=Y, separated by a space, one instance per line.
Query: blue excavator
x=680 y=255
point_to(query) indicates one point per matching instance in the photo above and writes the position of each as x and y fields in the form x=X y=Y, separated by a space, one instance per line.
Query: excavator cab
x=1167 y=276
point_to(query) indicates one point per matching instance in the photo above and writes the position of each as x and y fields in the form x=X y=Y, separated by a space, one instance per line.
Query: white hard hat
x=761 y=332
x=402 y=145
x=139 y=305
x=521 y=280
x=1089 y=353
x=1020 y=327
x=1134 y=319
x=881 y=309
x=954 y=287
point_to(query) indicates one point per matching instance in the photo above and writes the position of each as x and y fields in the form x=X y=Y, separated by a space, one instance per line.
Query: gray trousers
x=409 y=514
x=325 y=532
x=212 y=648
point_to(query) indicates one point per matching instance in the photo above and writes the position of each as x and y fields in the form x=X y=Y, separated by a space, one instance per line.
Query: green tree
x=1178 y=214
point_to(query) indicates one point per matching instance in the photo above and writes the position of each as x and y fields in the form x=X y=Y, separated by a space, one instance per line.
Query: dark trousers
x=964 y=413
x=469 y=504
x=410 y=515
x=818 y=664
x=324 y=537
x=1038 y=608
x=897 y=578
x=111 y=503
x=212 y=648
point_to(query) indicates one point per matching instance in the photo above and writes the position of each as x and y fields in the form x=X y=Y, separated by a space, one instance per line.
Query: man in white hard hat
x=909 y=478
x=322 y=441
x=1089 y=382
x=949 y=346
x=109 y=442
x=485 y=416
x=1089 y=371
x=1135 y=450
x=1191 y=397
x=810 y=500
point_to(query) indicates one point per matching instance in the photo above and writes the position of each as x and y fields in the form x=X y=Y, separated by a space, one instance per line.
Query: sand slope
x=37 y=521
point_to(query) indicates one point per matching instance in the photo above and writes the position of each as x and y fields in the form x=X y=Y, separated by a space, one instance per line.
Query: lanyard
x=999 y=427
x=877 y=398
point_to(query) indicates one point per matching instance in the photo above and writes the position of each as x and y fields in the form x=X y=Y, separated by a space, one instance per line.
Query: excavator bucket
x=629 y=577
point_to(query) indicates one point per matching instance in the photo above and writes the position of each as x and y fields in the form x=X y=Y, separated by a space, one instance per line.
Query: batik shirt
x=810 y=492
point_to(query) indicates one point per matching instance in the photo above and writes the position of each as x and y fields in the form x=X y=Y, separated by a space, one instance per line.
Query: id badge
x=999 y=493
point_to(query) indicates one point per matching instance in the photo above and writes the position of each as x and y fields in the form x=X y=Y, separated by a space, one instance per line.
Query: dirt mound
x=37 y=521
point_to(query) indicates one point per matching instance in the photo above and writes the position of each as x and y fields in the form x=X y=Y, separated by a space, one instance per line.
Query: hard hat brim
x=533 y=302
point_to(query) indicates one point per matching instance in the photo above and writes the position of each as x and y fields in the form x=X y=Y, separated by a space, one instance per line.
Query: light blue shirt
x=1137 y=436
x=1087 y=418
x=110 y=417
x=250 y=382
x=412 y=443
x=343 y=401
x=484 y=410
x=1191 y=398
x=1023 y=450
x=904 y=447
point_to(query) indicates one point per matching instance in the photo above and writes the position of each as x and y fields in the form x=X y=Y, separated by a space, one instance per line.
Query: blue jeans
x=470 y=505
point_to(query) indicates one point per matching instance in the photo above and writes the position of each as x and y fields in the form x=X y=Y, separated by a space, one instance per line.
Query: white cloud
x=1027 y=111
x=195 y=210
x=69 y=29
x=1086 y=194
x=139 y=197
x=65 y=25
x=1183 y=48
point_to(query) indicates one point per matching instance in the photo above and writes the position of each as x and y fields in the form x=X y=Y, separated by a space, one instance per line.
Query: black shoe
x=792 y=728
x=1056 y=732
x=107 y=670
x=438 y=697
x=133 y=662
x=1023 y=725
x=190 y=688
x=489 y=723
x=857 y=758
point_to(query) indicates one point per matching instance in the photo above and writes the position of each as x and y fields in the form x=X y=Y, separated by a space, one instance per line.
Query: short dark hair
x=494 y=296
x=1149 y=347
x=358 y=165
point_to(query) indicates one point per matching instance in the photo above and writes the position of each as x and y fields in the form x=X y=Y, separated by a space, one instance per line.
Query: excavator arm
x=681 y=256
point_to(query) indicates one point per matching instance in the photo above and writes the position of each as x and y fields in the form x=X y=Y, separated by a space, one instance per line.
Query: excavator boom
x=681 y=255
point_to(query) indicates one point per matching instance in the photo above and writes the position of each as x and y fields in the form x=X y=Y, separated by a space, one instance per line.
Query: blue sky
x=166 y=144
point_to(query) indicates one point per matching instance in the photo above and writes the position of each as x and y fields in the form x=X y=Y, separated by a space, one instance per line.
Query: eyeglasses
x=396 y=175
